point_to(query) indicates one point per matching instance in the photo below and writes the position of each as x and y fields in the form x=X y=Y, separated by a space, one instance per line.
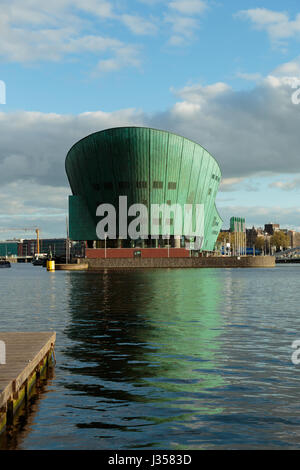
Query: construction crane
x=27 y=229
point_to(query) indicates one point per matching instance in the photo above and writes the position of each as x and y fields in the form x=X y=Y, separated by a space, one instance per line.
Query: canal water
x=161 y=359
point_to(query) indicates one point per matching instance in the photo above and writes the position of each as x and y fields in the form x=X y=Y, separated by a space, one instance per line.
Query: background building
x=149 y=167
x=238 y=238
x=294 y=238
x=10 y=248
x=270 y=228
x=57 y=246
x=28 y=247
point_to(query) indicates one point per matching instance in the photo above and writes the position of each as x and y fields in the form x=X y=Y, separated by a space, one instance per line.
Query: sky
x=225 y=74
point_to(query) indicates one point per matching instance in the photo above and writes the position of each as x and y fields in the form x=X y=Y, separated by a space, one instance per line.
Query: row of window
x=139 y=185
x=215 y=177
x=144 y=185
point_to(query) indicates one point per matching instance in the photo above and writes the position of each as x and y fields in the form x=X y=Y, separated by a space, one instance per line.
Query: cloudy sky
x=225 y=73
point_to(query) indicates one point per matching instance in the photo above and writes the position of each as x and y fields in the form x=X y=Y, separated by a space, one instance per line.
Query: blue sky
x=219 y=72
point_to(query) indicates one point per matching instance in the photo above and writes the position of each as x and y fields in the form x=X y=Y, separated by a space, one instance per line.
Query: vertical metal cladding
x=148 y=166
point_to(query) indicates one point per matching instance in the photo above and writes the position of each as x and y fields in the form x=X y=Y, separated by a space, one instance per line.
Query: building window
x=172 y=185
x=123 y=184
x=141 y=184
x=209 y=191
x=169 y=203
x=158 y=184
x=108 y=186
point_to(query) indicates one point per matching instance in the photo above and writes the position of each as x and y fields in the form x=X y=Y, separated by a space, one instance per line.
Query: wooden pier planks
x=24 y=353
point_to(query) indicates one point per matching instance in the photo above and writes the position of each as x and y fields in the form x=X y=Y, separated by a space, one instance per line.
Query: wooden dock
x=26 y=356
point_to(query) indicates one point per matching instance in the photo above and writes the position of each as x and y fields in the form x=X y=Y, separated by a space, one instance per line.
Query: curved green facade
x=148 y=166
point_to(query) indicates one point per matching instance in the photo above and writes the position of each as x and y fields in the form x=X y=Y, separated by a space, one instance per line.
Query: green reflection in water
x=150 y=337
x=184 y=325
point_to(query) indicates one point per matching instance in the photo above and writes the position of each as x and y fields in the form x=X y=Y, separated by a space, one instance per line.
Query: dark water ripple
x=162 y=359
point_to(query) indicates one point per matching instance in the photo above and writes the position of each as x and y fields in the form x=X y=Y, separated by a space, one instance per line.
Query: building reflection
x=149 y=337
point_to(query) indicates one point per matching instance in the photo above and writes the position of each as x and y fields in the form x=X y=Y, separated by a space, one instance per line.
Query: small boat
x=39 y=259
x=38 y=262
x=5 y=264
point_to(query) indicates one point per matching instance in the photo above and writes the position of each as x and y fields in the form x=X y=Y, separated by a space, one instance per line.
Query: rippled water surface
x=161 y=359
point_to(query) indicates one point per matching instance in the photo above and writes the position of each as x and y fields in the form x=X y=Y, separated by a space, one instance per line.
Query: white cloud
x=251 y=77
x=184 y=108
x=287 y=73
x=183 y=29
x=40 y=31
x=183 y=15
x=263 y=17
x=278 y=25
x=230 y=184
x=139 y=25
x=101 y=8
x=188 y=7
x=63 y=29
x=19 y=198
x=33 y=145
x=291 y=68
x=25 y=203
x=200 y=94
x=289 y=185
x=124 y=56
x=249 y=132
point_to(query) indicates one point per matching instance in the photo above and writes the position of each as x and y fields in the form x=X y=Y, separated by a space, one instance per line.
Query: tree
x=260 y=243
x=223 y=238
x=280 y=239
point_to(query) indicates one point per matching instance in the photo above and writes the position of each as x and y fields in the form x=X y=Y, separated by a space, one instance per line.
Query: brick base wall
x=121 y=253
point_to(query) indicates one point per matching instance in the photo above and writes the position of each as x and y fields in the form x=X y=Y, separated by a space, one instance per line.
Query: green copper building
x=148 y=166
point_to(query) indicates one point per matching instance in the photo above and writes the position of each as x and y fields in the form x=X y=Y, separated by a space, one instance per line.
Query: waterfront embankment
x=203 y=262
